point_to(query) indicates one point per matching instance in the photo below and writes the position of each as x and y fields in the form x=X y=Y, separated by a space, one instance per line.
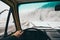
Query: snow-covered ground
x=31 y=17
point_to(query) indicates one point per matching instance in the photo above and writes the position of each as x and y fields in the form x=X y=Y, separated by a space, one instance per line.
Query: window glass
x=4 y=10
x=39 y=14
x=11 y=26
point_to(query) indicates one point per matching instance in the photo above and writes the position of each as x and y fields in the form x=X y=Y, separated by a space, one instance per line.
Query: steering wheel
x=33 y=34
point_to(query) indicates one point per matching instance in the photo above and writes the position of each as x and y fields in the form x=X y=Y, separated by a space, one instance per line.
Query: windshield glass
x=39 y=14
x=4 y=10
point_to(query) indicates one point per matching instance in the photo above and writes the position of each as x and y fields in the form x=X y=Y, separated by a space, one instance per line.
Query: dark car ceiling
x=22 y=1
x=34 y=0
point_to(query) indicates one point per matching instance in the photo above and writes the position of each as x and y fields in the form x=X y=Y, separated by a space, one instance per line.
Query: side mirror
x=57 y=7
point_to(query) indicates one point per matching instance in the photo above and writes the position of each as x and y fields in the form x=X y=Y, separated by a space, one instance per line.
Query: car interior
x=37 y=18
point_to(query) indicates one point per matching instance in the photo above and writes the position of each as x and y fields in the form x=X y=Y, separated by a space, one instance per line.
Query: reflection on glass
x=39 y=14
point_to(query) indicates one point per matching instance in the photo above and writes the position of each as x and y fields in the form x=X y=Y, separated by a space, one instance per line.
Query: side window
x=4 y=10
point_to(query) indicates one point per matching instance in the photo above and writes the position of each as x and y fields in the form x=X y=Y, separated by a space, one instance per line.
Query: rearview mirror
x=57 y=8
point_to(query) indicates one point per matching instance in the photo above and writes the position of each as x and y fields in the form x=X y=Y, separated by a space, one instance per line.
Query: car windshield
x=39 y=14
x=4 y=10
